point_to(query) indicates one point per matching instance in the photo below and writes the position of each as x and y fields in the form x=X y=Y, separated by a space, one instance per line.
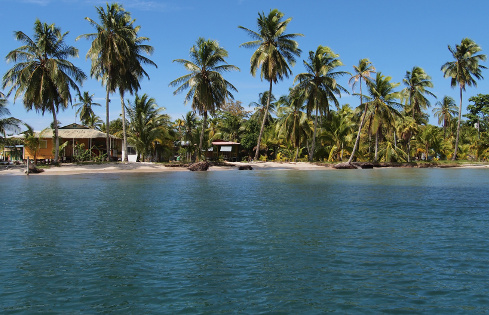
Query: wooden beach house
x=74 y=135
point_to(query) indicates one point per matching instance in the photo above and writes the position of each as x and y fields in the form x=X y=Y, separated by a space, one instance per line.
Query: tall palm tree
x=362 y=72
x=463 y=71
x=275 y=50
x=146 y=123
x=207 y=87
x=131 y=73
x=417 y=82
x=384 y=106
x=85 y=107
x=42 y=73
x=110 y=50
x=445 y=112
x=319 y=84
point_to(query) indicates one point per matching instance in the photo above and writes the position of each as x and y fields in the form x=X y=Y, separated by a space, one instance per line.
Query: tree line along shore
x=388 y=124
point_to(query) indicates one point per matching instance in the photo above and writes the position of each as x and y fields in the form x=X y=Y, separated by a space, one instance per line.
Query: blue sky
x=394 y=35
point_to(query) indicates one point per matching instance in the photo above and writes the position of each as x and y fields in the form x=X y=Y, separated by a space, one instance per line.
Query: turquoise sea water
x=353 y=241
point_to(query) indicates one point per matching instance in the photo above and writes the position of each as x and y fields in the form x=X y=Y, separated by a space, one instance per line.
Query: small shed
x=227 y=150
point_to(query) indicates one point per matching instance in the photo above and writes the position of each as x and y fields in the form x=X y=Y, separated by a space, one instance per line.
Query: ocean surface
x=397 y=241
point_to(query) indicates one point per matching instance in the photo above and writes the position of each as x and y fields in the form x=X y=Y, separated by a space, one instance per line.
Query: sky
x=394 y=35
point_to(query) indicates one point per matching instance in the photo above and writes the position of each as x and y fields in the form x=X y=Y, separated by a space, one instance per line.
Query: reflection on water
x=362 y=241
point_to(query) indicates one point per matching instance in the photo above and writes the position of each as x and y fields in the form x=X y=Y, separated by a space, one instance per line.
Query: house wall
x=47 y=153
x=43 y=153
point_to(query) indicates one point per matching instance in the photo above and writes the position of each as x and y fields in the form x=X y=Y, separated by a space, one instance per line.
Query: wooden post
x=27 y=171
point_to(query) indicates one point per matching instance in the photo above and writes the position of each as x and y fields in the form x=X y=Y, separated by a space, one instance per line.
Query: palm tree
x=319 y=84
x=275 y=51
x=208 y=89
x=261 y=106
x=94 y=122
x=363 y=71
x=383 y=106
x=8 y=123
x=337 y=131
x=417 y=82
x=85 y=107
x=131 y=73
x=445 y=112
x=292 y=123
x=42 y=73
x=145 y=124
x=110 y=50
x=463 y=71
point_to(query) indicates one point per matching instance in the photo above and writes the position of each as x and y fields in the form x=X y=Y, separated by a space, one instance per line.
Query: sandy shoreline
x=146 y=167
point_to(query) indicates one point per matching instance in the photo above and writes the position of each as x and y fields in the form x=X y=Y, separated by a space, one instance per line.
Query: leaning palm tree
x=85 y=107
x=417 y=82
x=207 y=87
x=362 y=71
x=463 y=71
x=275 y=51
x=319 y=84
x=110 y=50
x=445 y=112
x=42 y=73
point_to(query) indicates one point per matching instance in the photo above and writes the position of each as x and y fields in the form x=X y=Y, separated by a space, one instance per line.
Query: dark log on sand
x=199 y=166
x=33 y=169
x=245 y=167
x=344 y=166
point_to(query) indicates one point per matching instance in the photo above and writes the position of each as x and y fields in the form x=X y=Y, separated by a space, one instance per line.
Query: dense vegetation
x=388 y=124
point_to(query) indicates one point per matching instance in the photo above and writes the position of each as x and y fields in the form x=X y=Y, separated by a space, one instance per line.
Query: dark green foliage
x=479 y=111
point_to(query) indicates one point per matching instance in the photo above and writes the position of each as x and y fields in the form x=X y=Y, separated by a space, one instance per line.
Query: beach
x=149 y=167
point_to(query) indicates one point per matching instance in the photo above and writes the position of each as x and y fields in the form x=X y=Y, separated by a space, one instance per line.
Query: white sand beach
x=148 y=167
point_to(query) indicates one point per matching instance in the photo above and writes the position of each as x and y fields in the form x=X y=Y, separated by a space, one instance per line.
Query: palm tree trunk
x=124 y=141
x=409 y=151
x=314 y=136
x=107 y=101
x=296 y=154
x=204 y=125
x=56 y=138
x=454 y=157
x=257 y=153
x=376 y=156
x=357 y=141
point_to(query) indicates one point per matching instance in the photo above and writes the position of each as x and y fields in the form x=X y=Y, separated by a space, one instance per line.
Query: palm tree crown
x=417 y=83
x=445 y=112
x=85 y=107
